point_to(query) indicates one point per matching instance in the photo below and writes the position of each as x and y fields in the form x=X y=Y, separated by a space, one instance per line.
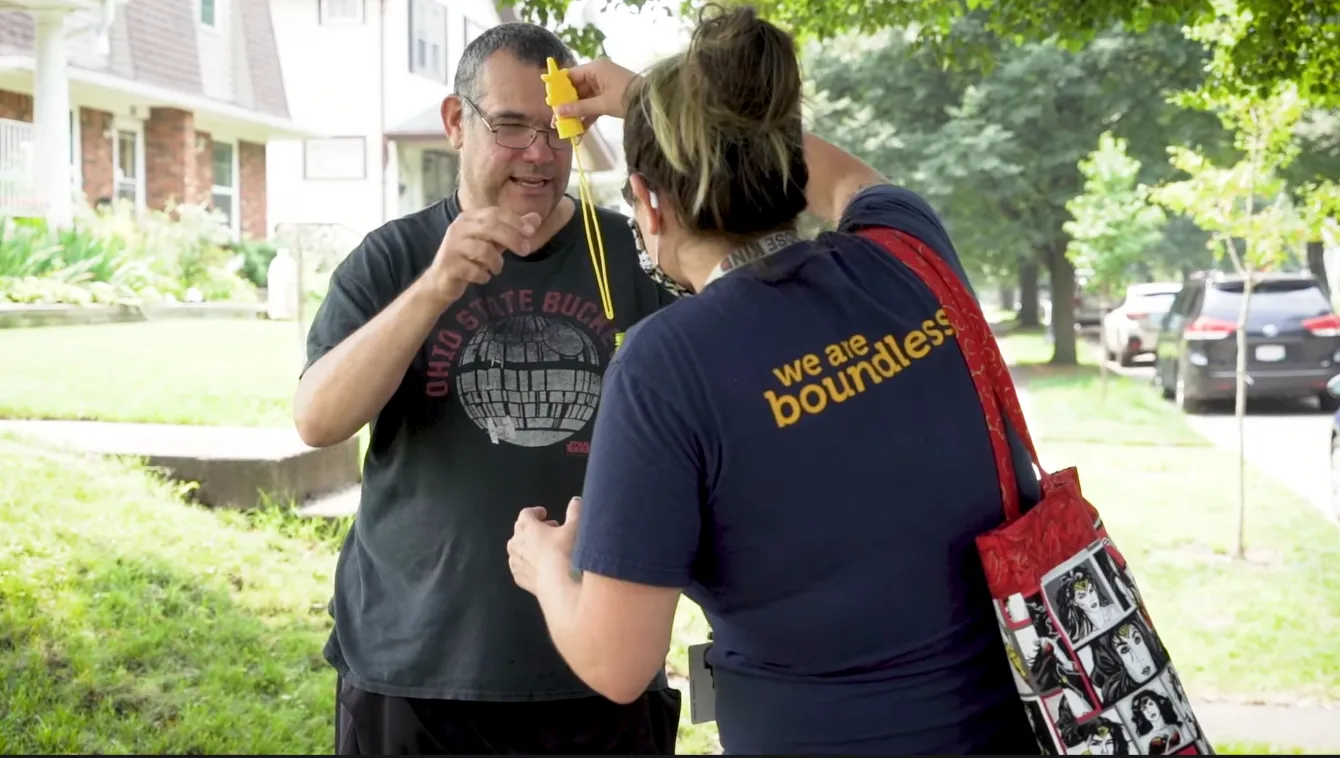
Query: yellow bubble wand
x=558 y=90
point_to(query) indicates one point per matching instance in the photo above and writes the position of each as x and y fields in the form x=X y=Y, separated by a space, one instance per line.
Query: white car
x=1132 y=328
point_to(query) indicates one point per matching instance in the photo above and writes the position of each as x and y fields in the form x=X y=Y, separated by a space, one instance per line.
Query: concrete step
x=24 y=315
x=235 y=467
x=334 y=505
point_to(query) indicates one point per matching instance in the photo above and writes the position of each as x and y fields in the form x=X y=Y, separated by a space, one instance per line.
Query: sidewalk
x=1312 y=728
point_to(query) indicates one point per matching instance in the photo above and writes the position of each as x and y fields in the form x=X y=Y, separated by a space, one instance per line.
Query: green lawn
x=1076 y=409
x=228 y=372
x=1260 y=629
x=131 y=622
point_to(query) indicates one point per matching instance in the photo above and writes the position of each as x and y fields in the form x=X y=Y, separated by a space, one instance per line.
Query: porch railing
x=18 y=190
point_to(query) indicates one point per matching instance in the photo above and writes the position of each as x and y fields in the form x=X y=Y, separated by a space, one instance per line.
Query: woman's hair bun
x=745 y=67
x=717 y=128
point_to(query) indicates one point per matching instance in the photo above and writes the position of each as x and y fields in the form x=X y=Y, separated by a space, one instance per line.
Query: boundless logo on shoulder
x=848 y=368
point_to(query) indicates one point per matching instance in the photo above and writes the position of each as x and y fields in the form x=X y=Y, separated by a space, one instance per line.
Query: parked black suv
x=1293 y=336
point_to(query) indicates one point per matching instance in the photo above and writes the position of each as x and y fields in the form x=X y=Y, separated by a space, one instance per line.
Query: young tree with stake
x=1244 y=207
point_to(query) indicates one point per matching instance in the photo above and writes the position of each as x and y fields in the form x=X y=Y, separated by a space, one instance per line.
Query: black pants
x=371 y=724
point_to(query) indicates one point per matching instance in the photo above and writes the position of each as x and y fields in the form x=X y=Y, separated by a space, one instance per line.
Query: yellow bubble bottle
x=558 y=90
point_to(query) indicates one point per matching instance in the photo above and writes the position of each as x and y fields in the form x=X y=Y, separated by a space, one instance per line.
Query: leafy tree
x=1289 y=41
x=997 y=153
x=1114 y=224
x=893 y=121
x=1312 y=178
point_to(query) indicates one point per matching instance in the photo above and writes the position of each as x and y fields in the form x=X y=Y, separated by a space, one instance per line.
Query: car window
x=1272 y=302
x=1159 y=302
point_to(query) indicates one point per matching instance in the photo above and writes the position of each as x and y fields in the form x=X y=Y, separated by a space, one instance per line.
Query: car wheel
x=1180 y=398
x=1127 y=358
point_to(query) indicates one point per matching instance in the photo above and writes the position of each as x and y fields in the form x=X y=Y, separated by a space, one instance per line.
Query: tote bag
x=1087 y=661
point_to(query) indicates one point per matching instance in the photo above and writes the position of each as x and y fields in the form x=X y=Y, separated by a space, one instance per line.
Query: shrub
x=256 y=257
x=119 y=254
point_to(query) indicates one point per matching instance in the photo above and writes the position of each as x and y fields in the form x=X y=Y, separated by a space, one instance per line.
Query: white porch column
x=51 y=117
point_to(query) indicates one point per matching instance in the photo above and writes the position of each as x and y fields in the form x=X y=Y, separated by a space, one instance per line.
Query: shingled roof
x=155 y=42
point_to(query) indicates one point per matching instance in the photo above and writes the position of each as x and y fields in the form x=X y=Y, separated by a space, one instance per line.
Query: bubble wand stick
x=558 y=90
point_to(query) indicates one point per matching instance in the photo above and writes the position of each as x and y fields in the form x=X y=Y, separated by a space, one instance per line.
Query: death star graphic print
x=530 y=380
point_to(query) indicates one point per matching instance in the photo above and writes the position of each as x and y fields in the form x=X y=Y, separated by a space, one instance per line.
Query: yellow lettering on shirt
x=854 y=365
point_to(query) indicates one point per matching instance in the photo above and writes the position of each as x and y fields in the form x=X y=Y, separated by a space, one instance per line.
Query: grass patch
x=1024 y=345
x=1070 y=405
x=1257 y=748
x=131 y=622
x=690 y=629
x=226 y=372
x=1259 y=629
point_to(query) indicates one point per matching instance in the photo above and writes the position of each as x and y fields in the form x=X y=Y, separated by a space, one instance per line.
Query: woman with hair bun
x=797 y=446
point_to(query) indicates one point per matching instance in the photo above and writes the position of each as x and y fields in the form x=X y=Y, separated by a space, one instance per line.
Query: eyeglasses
x=519 y=136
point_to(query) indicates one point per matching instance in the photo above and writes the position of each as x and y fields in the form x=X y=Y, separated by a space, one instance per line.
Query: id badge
x=702 y=688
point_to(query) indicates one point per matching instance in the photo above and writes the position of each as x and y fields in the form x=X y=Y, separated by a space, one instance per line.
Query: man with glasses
x=472 y=336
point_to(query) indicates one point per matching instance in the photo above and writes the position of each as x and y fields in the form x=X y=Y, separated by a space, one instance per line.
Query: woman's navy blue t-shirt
x=800 y=448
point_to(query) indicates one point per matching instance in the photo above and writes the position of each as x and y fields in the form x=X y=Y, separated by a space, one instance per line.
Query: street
x=1289 y=442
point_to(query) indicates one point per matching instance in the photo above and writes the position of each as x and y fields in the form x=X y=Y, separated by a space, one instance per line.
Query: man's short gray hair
x=528 y=43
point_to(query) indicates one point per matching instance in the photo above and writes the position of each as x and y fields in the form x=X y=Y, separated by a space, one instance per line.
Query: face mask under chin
x=656 y=273
x=659 y=276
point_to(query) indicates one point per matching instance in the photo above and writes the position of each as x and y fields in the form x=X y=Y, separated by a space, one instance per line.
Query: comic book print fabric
x=1093 y=675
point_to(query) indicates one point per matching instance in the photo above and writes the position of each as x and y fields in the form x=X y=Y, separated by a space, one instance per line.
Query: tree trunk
x=1062 y=275
x=1316 y=263
x=1028 y=292
x=1240 y=410
x=1007 y=297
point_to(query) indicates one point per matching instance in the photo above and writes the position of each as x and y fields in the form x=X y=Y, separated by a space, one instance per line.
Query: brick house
x=168 y=100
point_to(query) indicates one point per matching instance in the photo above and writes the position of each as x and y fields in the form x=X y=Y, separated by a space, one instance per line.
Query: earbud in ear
x=655 y=203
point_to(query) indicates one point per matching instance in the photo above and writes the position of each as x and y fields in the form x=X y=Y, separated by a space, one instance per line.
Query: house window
x=341 y=11
x=224 y=194
x=127 y=176
x=428 y=39
x=206 y=12
x=439 y=175
x=335 y=158
x=472 y=30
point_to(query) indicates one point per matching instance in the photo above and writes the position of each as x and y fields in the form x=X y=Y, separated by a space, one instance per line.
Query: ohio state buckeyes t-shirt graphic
x=494 y=415
x=526 y=366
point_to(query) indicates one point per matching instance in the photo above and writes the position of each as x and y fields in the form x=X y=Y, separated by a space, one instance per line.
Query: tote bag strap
x=990 y=374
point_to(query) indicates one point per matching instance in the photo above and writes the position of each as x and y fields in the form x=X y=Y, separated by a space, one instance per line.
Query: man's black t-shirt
x=494 y=415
